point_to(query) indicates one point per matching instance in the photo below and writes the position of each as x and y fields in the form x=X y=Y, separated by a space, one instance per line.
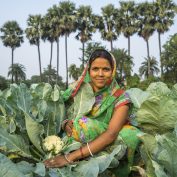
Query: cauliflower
x=53 y=144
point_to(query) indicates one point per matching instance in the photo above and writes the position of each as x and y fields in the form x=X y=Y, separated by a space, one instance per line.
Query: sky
x=27 y=55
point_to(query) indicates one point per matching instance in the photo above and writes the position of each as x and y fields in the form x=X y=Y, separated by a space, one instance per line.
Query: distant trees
x=169 y=60
x=18 y=71
x=3 y=83
x=164 y=13
x=124 y=63
x=149 y=67
x=144 y=19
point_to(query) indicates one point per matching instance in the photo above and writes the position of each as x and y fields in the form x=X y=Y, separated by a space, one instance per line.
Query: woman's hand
x=56 y=162
x=68 y=127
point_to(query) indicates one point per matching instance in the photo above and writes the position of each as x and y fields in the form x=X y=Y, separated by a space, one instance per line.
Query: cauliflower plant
x=53 y=144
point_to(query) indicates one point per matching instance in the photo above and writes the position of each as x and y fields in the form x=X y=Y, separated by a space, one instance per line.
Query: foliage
x=75 y=71
x=124 y=62
x=133 y=81
x=157 y=117
x=169 y=60
x=18 y=71
x=107 y=24
x=34 y=33
x=47 y=77
x=145 y=83
x=12 y=34
x=3 y=83
x=151 y=64
x=27 y=117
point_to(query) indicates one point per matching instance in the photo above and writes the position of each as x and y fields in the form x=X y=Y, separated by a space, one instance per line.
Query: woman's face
x=100 y=72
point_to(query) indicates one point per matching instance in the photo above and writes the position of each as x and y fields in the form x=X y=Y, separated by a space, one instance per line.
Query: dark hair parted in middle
x=103 y=54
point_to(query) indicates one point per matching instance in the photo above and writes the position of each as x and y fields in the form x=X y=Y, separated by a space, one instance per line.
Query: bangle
x=69 y=161
x=89 y=150
x=82 y=155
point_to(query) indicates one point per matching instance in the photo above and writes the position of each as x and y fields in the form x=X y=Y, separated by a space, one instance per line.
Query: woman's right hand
x=68 y=127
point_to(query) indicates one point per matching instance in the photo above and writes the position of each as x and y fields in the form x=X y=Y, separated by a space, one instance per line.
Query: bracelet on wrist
x=69 y=161
x=82 y=155
x=89 y=150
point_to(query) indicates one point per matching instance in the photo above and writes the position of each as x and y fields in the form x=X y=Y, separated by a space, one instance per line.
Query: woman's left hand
x=56 y=162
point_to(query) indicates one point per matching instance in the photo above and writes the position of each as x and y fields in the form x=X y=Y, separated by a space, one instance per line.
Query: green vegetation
x=29 y=115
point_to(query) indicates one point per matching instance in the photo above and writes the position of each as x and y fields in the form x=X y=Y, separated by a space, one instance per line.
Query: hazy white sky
x=27 y=55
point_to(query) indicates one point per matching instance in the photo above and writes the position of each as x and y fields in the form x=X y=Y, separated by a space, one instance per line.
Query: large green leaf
x=173 y=93
x=13 y=143
x=8 y=168
x=148 y=146
x=137 y=96
x=100 y=163
x=166 y=153
x=35 y=131
x=158 y=89
x=84 y=100
x=24 y=98
x=157 y=114
x=26 y=168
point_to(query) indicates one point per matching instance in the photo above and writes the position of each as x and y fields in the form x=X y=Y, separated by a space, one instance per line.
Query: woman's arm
x=116 y=123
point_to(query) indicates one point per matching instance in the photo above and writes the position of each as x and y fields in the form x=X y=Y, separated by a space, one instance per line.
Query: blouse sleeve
x=123 y=99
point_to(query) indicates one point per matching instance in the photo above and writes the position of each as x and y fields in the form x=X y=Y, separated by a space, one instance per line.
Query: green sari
x=91 y=113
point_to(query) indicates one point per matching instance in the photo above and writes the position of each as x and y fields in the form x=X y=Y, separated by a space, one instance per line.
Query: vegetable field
x=29 y=115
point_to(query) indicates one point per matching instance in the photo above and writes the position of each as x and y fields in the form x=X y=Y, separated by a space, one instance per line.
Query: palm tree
x=85 y=26
x=18 y=70
x=52 y=31
x=165 y=13
x=68 y=25
x=127 y=20
x=74 y=71
x=34 y=33
x=144 y=70
x=146 y=22
x=12 y=37
x=124 y=62
x=107 y=24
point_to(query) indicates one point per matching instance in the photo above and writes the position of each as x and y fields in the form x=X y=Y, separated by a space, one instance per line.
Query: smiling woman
x=99 y=118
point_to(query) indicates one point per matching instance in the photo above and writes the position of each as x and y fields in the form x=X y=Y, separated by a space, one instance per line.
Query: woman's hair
x=103 y=54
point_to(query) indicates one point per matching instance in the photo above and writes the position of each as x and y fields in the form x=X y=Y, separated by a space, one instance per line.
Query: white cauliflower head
x=53 y=144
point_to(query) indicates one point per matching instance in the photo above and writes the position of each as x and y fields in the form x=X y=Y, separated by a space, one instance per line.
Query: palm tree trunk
x=50 y=65
x=57 y=60
x=12 y=65
x=66 y=53
x=111 y=45
x=161 y=66
x=83 y=50
x=148 y=56
x=128 y=45
x=39 y=54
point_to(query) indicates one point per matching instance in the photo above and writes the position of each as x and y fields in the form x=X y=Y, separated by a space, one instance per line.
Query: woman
x=100 y=125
